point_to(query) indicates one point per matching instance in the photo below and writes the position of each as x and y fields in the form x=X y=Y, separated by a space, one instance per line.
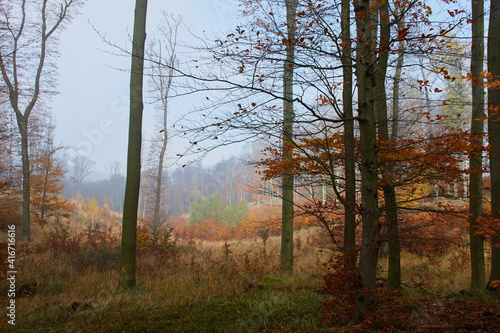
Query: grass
x=140 y=312
x=210 y=287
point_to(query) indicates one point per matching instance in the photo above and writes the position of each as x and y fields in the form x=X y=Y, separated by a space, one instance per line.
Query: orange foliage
x=431 y=234
x=414 y=161
x=260 y=217
x=46 y=188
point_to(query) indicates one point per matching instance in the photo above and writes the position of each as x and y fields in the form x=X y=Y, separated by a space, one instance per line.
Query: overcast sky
x=91 y=110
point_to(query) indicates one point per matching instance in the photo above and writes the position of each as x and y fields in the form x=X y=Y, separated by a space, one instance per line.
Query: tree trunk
x=389 y=189
x=349 y=139
x=26 y=187
x=130 y=206
x=163 y=84
x=494 y=134
x=288 y=119
x=478 y=274
x=161 y=158
x=394 y=274
x=369 y=167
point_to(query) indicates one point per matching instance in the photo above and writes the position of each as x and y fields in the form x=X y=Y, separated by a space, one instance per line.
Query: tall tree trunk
x=288 y=119
x=494 y=134
x=368 y=150
x=478 y=273
x=350 y=171
x=129 y=229
x=389 y=189
x=394 y=274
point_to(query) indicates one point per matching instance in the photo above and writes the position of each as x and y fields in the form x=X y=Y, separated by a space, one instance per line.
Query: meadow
x=230 y=286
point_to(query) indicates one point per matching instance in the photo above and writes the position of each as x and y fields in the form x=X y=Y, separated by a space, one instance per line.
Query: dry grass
x=233 y=286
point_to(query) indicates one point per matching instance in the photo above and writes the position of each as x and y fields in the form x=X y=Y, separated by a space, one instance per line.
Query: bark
x=494 y=135
x=288 y=119
x=394 y=274
x=478 y=273
x=368 y=150
x=388 y=186
x=350 y=171
x=26 y=171
x=130 y=206
x=46 y=174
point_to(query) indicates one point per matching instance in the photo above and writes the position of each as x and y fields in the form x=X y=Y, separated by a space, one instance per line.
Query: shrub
x=101 y=259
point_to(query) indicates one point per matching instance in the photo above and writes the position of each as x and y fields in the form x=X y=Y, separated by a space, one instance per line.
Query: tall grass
x=200 y=286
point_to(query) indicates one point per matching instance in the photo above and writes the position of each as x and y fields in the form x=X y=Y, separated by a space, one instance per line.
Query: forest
x=366 y=197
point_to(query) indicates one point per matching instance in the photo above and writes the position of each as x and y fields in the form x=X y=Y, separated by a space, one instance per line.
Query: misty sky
x=91 y=110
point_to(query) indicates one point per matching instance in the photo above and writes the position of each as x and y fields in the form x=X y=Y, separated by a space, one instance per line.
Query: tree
x=207 y=208
x=369 y=159
x=349 y=138
x=388 y=186
x=91 y=209
x=478 y=274
x=47 y=175
x=288 y=116
x=163 y=83
x=392 y=228
x=132 y=187
x=28 y=32
x=494 y=140
x=82 y=167
x=117 y=184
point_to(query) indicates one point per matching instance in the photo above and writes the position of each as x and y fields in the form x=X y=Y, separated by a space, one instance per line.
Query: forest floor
x=231 y=287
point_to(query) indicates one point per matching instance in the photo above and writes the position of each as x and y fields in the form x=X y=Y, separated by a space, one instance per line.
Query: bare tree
x=82 y=167
x=28 y=32
x=163 y=82
x=117 y=183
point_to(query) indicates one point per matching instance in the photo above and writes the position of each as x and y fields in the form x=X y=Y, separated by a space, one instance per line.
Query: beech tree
x=478 y=274
x=349 y=137
x=132 y=186
x=494 y=140
x=369 y=160
x=28 y=30
x=287 y=141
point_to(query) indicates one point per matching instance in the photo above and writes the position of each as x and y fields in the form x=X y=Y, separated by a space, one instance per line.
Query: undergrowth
x=232 y=286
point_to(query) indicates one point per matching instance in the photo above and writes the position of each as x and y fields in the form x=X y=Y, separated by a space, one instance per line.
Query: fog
x=91 y=109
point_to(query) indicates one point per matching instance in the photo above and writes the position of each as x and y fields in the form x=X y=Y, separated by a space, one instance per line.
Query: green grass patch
x=267 y=310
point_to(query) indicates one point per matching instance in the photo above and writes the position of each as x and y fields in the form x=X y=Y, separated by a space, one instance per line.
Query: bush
x=101 y=259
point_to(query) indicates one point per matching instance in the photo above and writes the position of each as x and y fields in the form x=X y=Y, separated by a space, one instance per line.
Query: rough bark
x=369 y=163
x=494 y=135
x=478 y=273
x=288 y=119
x=130 y=206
